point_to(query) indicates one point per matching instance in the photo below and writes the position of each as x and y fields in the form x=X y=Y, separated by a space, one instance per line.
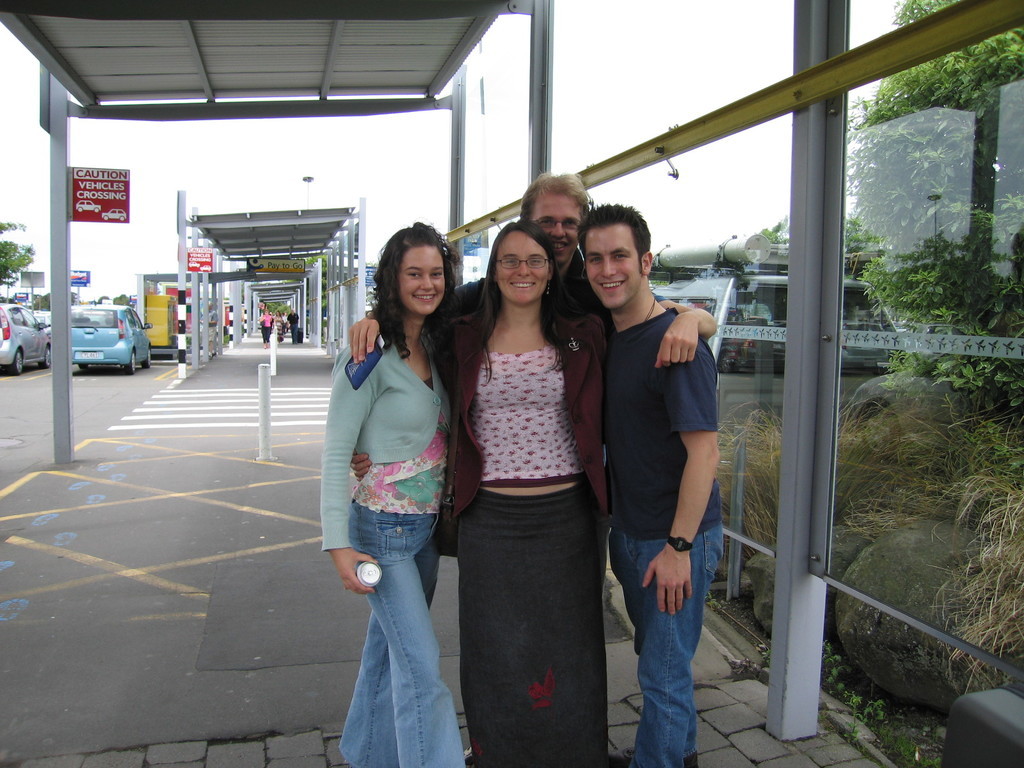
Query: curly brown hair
x=388 y=309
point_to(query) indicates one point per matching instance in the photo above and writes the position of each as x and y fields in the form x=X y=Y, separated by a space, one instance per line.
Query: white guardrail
x=926 y=343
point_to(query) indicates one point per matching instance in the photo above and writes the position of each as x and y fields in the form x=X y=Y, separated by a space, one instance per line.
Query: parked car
x=109 y=334
x=43 y=316
x=756 y=301
x=23 y=339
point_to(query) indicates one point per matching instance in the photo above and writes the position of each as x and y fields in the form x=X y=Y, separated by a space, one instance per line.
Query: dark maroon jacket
x=584 y=388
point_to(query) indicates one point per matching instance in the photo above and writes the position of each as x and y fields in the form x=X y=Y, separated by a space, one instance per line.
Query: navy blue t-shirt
x=645 y=409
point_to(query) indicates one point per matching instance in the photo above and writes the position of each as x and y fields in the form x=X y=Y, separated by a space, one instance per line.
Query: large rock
x=760 y=569
x=846 y=546
x=907 y=569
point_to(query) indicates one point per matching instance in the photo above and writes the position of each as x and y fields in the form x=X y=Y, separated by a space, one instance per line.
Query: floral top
x=521 y=419
x=408 y=487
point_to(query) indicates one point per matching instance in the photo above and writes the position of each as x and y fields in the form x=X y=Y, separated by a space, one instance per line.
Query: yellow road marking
x=28 y=376
x=159 y=495
x=201 y=454
x=220 y=557
x=18 y=483
x=117 y=569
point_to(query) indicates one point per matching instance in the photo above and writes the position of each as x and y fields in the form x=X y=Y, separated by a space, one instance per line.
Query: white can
x=368 y=573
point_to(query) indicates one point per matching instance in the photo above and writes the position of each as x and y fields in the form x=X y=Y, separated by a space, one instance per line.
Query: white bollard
x=273 y=351
x=263 y=377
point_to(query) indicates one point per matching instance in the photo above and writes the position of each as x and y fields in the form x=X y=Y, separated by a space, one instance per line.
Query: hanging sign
x=200 y=259
x=99 y=194
x=276 y=265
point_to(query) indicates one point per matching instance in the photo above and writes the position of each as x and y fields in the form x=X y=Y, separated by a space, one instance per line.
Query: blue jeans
x=666 y=644
x=402 y=712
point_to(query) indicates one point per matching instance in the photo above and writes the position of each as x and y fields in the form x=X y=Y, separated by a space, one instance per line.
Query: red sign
x=200 y=259
x=99 y=194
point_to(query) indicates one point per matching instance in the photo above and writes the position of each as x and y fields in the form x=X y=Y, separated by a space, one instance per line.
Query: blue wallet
x=357 y=372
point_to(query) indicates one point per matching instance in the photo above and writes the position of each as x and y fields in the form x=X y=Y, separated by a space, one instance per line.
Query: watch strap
x=679 y=544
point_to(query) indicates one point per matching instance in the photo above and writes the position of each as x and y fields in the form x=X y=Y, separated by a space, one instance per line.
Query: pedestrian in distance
x=266 y=326
x=402 y=713
x=661 y=433
x=293 y=325
x=280 y=325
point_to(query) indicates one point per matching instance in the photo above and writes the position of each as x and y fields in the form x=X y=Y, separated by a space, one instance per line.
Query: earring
x=548 y=289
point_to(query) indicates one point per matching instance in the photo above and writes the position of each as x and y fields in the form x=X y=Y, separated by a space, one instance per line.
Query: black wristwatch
x=679 y=544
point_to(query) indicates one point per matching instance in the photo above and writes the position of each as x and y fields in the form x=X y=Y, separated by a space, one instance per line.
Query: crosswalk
x=233 y=408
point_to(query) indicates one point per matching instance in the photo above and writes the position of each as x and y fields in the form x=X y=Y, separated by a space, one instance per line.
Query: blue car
x=109 y=334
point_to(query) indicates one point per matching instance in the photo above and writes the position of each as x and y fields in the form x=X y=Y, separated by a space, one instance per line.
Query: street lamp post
x=309 y=183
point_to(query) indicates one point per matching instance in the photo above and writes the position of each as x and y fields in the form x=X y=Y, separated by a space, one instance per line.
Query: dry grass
x=903 y=465
x=760 y=437
x=894 y=469
x=991 y=584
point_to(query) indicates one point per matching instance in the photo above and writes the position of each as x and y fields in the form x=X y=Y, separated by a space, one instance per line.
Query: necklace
x=654 y=303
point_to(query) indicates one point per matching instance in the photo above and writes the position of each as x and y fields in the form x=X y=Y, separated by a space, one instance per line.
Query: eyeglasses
x=569 y=225
x=511 y=262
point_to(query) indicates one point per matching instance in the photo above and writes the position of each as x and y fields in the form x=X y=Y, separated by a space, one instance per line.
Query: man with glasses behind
x=558 y=204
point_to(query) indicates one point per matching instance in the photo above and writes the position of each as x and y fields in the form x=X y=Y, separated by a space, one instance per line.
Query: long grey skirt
x=532 y=636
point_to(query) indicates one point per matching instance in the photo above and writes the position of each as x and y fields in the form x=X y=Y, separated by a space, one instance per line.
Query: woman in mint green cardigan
x=401 y=712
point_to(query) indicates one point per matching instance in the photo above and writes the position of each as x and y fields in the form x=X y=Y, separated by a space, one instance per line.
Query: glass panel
x=930 y=472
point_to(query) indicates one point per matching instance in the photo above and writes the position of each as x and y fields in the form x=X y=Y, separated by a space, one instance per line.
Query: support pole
x=182 y=288
x=54 y=117
x=273 y=351
x=263 y=380
x=541 y=67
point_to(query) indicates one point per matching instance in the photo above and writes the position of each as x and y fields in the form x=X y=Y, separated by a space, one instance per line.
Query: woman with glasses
x=529 y=489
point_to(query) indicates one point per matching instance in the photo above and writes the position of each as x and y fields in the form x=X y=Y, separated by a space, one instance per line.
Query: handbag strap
x=448 y=497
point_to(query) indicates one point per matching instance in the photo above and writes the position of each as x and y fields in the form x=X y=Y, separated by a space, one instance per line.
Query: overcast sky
x=619 y=80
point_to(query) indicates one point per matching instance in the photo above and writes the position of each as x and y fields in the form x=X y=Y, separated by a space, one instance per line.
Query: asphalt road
x=101 y=395
x=166 y=585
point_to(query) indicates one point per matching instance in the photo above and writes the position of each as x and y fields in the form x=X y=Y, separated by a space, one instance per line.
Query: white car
x=23 y=339
x=86 y=205
x=114 y=213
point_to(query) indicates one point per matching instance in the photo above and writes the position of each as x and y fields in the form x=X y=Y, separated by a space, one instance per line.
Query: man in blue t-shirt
x=661 y=431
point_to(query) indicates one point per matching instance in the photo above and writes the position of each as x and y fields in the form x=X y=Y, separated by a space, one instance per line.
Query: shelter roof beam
x=248 y=110
x=189 y=31
x=332 y=54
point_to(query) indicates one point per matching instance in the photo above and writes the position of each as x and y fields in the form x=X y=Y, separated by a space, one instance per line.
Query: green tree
x=14 y=258
x=779 y=233
x=857 y=238
x=122 y=300
x=937 y=171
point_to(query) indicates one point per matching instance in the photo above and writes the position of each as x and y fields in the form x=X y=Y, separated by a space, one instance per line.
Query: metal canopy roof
x=220 y=59
x=284 y=234
x=251 y=58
